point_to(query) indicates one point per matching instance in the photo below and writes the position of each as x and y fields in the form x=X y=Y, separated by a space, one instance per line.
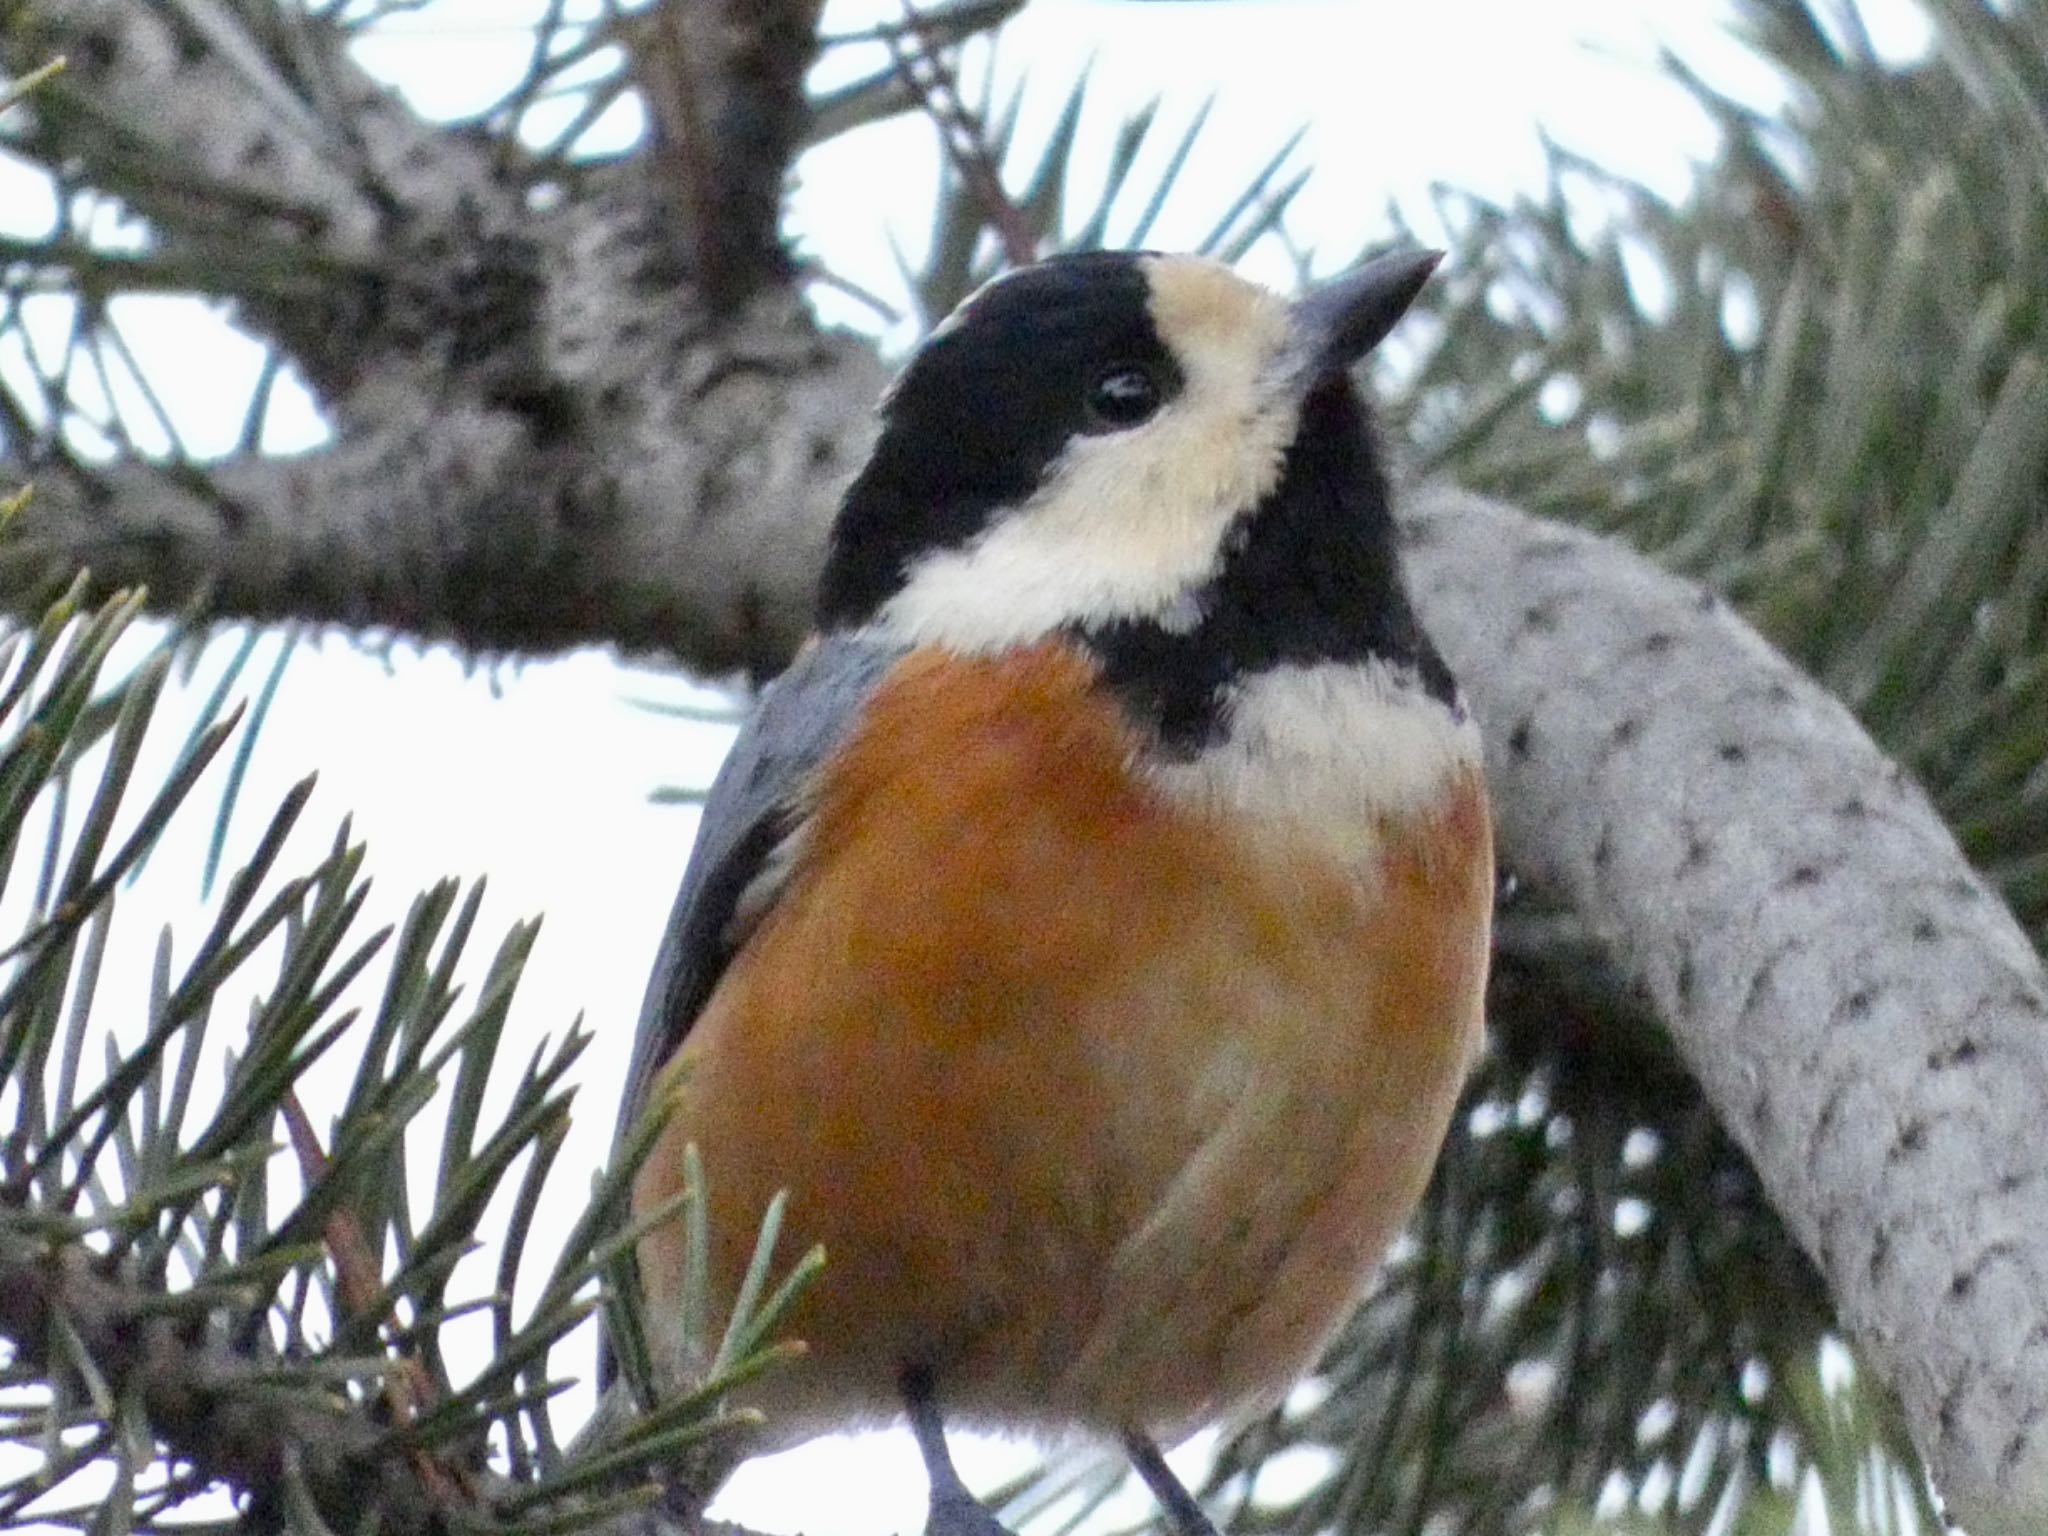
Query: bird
x=1089 y=930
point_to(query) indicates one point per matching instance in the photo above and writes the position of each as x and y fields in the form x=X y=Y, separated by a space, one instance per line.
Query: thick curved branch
x=1866 y=1017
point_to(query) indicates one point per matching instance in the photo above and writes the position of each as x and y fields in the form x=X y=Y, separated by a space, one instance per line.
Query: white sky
x=541 y=779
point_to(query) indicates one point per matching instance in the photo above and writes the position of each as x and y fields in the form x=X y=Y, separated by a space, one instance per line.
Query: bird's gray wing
x=803 y=715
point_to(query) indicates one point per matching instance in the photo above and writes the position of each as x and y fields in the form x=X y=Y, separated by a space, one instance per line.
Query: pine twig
x=408 y=1389
x=198 y=1397
x=16 y=90
x=928 y=74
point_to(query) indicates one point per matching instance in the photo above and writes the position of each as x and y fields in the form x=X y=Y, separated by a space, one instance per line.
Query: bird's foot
x=956 y=1512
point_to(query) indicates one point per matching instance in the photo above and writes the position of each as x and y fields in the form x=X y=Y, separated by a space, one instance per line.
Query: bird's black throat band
x=1312 y=575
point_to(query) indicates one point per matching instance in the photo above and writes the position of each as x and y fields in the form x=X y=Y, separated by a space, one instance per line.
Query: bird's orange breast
x=1103 y=1108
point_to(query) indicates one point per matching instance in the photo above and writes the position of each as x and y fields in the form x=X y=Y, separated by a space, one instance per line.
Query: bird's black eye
x=1122 y=397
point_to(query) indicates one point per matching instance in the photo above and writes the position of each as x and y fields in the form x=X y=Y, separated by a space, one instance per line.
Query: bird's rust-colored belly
x=1103 y=1109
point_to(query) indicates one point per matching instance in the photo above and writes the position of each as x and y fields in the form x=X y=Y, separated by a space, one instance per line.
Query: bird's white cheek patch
x=1091 y=547
x=1124 y=526
x=1342 y=752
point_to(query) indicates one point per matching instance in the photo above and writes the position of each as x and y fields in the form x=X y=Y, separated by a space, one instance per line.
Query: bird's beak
x=1338 y=322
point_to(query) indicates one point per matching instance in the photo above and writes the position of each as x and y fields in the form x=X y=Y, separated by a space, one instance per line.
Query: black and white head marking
x=1020 y=486
x=1171 y=466
x=1309 y=576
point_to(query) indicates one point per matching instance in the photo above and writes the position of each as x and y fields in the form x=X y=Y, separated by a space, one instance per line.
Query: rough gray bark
x=237 y=153
x=1865 y=1015
x=544 y=436
x=679 y=509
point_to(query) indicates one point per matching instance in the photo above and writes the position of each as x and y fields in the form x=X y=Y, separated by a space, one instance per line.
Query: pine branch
x=546 y=436
x=442 y=517
x=1865 y=1016
x=922 y=65
x=275 y=1434
x=211 y=1407
x=264 y=149
x=174 y=1311
x=17 y=90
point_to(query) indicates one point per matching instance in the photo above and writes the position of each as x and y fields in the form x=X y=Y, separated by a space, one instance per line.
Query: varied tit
x=1090 y=929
